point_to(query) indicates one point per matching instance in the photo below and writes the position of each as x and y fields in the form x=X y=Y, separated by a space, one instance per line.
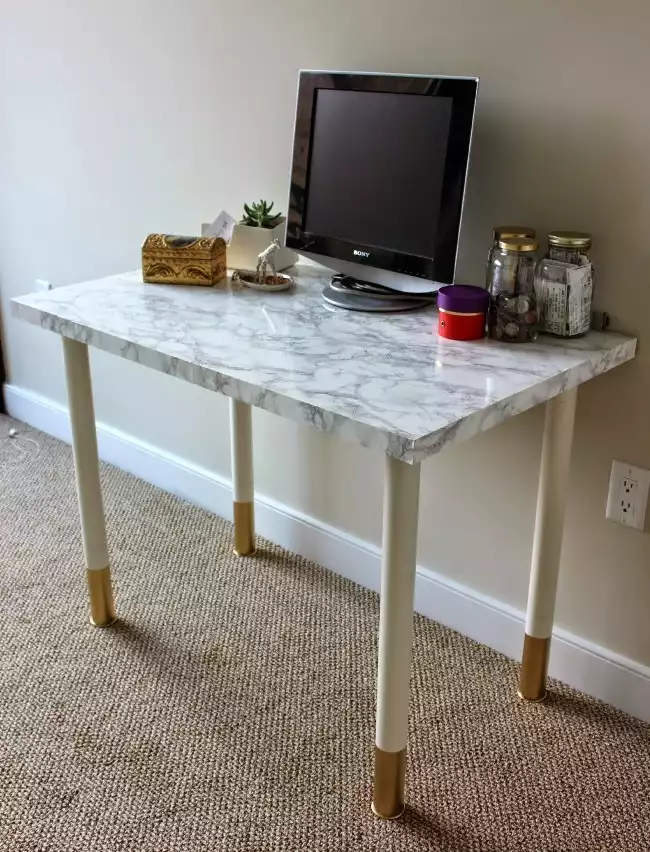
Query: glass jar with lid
x=564 y=285
x=512 y=315
x=568 y=245
x=502 y=232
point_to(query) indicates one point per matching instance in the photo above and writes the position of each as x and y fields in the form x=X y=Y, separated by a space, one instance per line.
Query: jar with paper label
x=564 y=285
x=512 y=315
x=505 y=232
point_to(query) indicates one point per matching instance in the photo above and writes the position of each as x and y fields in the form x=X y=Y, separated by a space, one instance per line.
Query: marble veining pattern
x=383 y=381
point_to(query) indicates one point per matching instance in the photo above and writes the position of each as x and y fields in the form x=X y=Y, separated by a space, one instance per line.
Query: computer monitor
x=378 y=174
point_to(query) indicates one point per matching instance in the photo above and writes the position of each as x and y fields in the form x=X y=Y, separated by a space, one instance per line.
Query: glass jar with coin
x=512 y=315
x=502 y=232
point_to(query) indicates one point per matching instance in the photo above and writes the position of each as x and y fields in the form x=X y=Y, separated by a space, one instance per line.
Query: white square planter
x=248 y=242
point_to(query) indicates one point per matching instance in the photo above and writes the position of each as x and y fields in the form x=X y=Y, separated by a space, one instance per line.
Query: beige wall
x=123 y=117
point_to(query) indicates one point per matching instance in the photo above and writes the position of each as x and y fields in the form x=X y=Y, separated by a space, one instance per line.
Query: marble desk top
x=385 y=381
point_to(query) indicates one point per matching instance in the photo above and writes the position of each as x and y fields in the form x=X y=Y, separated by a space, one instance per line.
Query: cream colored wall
x=124 y=117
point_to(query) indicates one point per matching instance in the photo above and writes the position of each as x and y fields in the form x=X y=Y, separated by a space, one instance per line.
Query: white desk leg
x=401 y=499
x=241 y=444
x=547 y=543
x=86 y=462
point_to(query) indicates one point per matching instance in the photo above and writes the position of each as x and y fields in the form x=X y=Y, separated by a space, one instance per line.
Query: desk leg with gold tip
x=86 y=462
x=241 y=444
x=400 y=528
x=547 y=543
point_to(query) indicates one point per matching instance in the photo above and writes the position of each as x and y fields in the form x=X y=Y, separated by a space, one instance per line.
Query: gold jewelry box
x=168 y=259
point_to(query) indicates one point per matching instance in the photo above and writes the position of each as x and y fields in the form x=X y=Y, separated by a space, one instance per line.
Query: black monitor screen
x=376 y=169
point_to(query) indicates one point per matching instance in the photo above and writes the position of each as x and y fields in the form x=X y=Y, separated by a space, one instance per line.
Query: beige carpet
x=232 y=706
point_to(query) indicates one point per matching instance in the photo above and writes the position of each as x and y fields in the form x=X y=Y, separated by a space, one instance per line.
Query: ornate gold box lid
x=170 y=259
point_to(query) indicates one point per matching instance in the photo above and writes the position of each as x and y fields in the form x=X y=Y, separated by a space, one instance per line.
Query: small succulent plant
x=260 y=215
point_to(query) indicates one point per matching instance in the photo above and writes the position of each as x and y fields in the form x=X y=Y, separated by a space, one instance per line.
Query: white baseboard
x=595 y=670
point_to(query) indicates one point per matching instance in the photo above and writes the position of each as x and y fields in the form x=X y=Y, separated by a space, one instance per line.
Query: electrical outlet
x=42 y=284
x=628 y=495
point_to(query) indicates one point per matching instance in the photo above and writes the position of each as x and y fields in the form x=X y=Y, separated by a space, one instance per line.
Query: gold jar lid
x=569 y=239
x=518 y=244
x=506 y=231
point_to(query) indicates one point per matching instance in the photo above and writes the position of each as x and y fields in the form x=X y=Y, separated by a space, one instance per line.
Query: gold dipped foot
x=388 y=793
x=244 y=517
x=102 y=607
x=534 y=666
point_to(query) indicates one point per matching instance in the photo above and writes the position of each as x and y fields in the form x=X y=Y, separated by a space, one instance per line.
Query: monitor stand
x=353 y=294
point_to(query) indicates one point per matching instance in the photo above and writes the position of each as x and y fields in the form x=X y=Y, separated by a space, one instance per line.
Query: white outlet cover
x=635 y=515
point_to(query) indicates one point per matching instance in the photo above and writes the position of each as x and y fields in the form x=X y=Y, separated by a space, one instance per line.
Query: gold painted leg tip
x=244 y=517
x=539 y=700
x=379 y=815
x=101 y=624
x=388 y=792
x=534 y=666
x=102 y=608
x=243 y=555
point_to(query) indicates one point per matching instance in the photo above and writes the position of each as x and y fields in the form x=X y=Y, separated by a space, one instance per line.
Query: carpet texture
x=231 y=708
